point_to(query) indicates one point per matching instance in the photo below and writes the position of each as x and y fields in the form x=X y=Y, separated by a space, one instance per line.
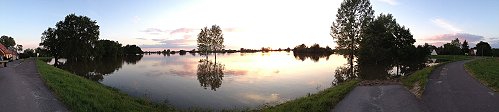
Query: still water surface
x=235 y=80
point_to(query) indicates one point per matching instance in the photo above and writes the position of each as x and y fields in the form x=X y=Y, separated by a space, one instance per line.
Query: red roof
x=4 y=50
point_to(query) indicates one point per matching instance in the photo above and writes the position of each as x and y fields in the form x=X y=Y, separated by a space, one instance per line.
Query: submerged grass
x=82 y=95
x=319 y=102
x=486 y=70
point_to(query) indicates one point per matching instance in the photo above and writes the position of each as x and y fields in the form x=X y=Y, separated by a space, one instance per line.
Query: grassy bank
x=82 y=95
x=319 y=102
x=416 y=82
x=486 y=70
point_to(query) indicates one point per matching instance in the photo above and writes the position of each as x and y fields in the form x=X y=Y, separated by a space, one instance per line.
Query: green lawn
x=82 y=95
x=320 y=102
x=486 y=70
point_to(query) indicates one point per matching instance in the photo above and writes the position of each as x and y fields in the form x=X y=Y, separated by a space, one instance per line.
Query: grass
x=486 y=70
x=319 y=102
x=416 y=82
x=82 y=95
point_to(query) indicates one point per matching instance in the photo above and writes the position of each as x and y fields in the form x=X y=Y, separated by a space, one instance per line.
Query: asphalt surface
x=22 y=89
x=451 y=89
x=385 y=98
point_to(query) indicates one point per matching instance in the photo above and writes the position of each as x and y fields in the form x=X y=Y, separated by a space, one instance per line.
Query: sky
x=174 y=24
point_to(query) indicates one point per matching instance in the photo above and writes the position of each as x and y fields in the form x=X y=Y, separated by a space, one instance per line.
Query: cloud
x=141 y=38
x=439 y=40
x=231 y=29
x=154 y=31
x=181 y=30
x=391 y=2
x=158 y=40
x=185 y=43
x=446 y=25
x=461 y=36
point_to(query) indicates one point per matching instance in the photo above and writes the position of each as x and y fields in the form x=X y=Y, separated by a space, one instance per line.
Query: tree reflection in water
x=210 y=74
x=312 y=56
x=96 y=69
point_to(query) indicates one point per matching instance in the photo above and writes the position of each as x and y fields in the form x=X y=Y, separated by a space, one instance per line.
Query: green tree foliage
x=483 y=49
x=387 y=44
x=375 y=49
x=210 y=40
x=465 y=48
x=7 y=41
x=352 y=17
x=73 y=38
x=132 y=50
x=79 y=34
x=51 y=43
x=108 y=49
x=27 y=53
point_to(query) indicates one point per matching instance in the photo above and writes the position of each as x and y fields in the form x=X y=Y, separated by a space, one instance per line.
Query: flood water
x=233 y=81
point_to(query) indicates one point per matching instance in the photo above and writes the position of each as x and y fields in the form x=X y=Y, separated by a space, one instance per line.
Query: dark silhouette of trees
x=52 y=44
x=314 y=49
x=465 y=48
x=375 y=49
x=7 y=41
x=73 y=38
x=79 y=34
x=385 y=45
x=27 y=53
x=352 y=17
x=483 y=49
x=108 y=49
x=210 y=40
x=132 y=50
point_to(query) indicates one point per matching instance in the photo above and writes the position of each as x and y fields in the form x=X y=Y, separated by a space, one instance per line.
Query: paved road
x=22 y=89
x=385 y=98
x=451 y=89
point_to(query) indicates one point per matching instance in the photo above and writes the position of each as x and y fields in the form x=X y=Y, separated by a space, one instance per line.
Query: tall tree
x=352 y=17
x=210 y=40
x=375 y=49
x=79 y=34
x=483 y=49
x=465 y=48
x=7 y=41
x=52 y=43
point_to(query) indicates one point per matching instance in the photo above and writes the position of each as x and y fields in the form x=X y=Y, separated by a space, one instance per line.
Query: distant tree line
x=77 y=38
x=455 y=47
x=314 y=49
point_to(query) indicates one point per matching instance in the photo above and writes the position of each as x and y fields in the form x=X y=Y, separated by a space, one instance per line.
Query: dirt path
x=385 y=98
x=22 y=89
x=451 y=89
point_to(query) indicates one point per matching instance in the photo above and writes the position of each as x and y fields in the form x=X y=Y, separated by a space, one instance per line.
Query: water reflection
x=96 y=69
x=312 y=56
x=210 y=74
x=132 y=59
